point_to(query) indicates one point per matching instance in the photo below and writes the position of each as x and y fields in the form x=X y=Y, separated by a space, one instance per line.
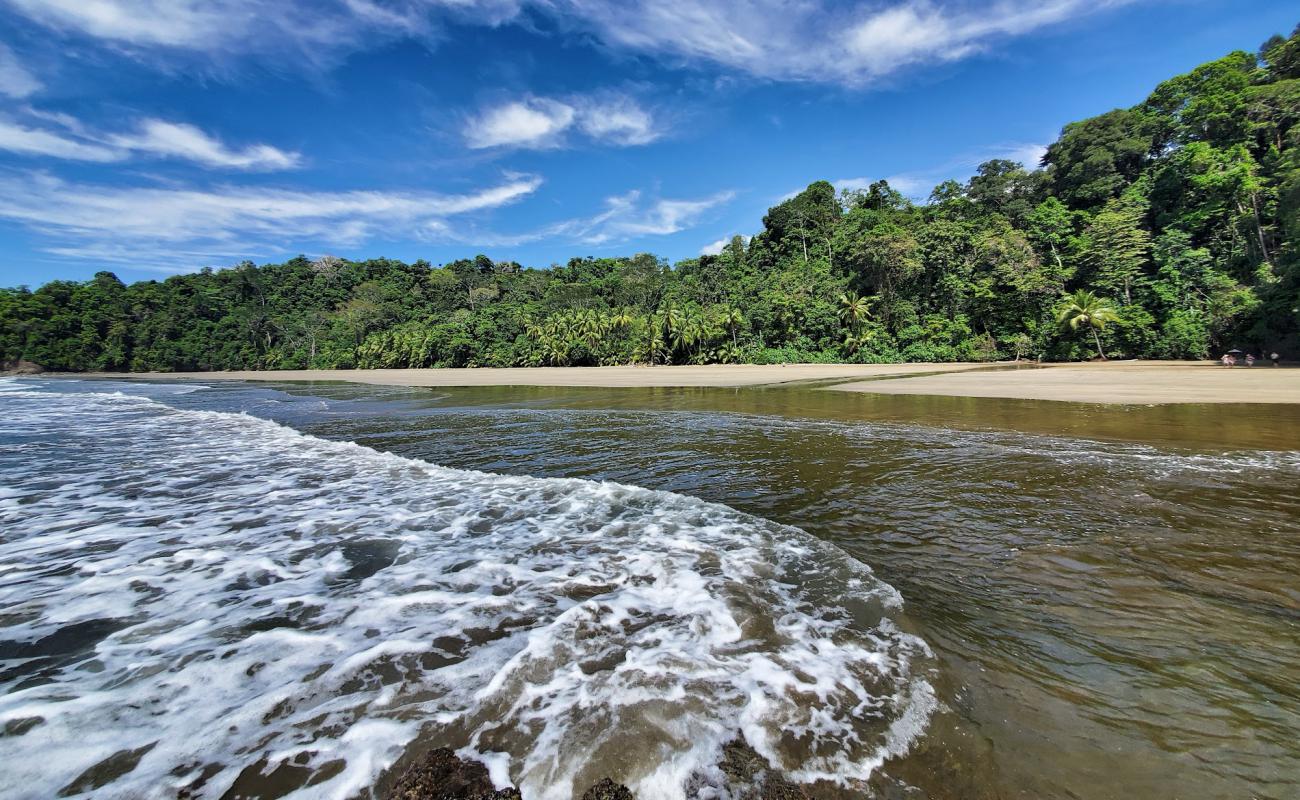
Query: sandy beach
x=714 y=375
x=1127 y=382
x=1149 y=382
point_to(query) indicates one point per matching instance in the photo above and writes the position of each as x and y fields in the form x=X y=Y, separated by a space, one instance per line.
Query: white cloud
x=153 y=137
x=910 y=185
x=15 y=79
x=917 y=184
x=627 y=217
x=150 y=222
x=820 y=40
x=617 y=120
x=202 y=25
x=812 y=40
x=22 y=140
x=714 y=248
x=1028 y=154
x=177 y=140
x=541 y=122
x=535 y=122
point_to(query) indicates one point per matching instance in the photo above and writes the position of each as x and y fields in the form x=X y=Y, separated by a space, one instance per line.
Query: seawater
x=205 y=603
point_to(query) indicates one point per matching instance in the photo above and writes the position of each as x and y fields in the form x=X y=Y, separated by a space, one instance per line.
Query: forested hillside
x=1166 y=230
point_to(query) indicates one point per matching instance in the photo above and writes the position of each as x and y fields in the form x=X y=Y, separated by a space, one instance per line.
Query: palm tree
x=702 y=331
x=590 y=325
x=854 y=342
x=854 y=309
x=654 y=338
x=686 y=332
x=729 y=353
x=731 y=319
x=673 y=323
x=1083 y=308
x=621 y=319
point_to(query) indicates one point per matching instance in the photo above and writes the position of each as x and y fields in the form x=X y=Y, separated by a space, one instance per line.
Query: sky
x=157 y=137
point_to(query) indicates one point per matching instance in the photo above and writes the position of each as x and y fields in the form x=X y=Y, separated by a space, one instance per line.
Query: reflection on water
x=1111 y=593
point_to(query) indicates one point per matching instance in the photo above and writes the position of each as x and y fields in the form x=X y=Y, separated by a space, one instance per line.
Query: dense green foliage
x=1166 y=230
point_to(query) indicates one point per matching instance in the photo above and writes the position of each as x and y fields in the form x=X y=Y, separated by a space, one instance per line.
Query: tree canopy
x=1166 y=230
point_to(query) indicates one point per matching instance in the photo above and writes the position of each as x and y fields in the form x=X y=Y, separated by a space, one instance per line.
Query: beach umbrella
x=1234 y=352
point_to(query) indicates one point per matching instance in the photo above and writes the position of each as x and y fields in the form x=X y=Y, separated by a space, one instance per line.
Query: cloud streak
x=625 y=217
x=817 y=40
x=144 y=223
x=918 y=184
x=153 y=138
x=15 y=79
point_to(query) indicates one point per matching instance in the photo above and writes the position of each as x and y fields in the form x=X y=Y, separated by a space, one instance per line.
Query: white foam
x=283 y=599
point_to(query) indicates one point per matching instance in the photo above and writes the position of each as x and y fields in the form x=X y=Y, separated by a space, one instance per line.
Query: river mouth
x=1110 y=615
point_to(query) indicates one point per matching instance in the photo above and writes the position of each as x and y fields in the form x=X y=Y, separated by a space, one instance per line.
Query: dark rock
x=21 y=368
x=442 y=775
x=607 y=790
x=750 y=777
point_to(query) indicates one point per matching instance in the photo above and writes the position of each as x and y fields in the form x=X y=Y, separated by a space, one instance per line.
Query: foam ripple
x=205 y=603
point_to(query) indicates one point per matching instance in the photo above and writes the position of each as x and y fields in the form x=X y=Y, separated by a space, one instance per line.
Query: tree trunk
x=1097 y=339
x=1259 y=226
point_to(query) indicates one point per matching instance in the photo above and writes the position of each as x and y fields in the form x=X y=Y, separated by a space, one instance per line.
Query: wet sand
x=712 y=375
x=1150 y=382
x=1126 y=382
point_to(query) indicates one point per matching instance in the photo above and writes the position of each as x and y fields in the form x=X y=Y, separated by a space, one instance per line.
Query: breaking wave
x=202 y=603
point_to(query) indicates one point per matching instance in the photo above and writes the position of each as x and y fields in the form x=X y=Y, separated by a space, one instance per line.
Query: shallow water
x=1109 y=595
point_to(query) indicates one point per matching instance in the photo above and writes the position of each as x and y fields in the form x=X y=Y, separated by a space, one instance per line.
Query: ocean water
x=237 y=590
x=205 y=603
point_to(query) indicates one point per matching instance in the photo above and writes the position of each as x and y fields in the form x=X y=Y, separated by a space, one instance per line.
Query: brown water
x=1111 y=593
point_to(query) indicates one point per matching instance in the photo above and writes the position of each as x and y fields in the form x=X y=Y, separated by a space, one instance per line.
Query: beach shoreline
x=1115 y=382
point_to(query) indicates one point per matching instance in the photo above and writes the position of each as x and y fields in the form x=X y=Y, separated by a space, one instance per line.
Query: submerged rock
x=607 y=790
x=20 y=367
x=750 y=777
x=442 y=775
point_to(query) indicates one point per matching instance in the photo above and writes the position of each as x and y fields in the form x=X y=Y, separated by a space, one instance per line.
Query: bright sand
x=1116 y=382
x=1112 y=382
x=719 y=375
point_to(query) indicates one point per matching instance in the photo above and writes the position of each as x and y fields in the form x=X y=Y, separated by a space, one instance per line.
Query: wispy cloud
x=820 y=40
x=156 y=138
x=617 y=120
x=629 y=216
x=20 y=139
x=816 y=40
x=15 y=79
x=716 y=247
x=917 y=184
x=211 y=26
x=625 y=217
x=148 y=223
x=541 y=122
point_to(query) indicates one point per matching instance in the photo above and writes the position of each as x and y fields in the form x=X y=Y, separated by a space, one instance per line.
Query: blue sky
x=152 y=137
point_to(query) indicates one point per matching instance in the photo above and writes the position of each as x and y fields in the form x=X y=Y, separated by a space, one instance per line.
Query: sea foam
x=205 y=604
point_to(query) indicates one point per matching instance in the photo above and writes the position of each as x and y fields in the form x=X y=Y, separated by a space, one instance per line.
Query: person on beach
x=1224 y=360
x=1273 y=357
x=1250 y=359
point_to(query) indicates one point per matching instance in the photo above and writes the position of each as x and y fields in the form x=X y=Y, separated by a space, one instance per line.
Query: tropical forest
x=1169 y=230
